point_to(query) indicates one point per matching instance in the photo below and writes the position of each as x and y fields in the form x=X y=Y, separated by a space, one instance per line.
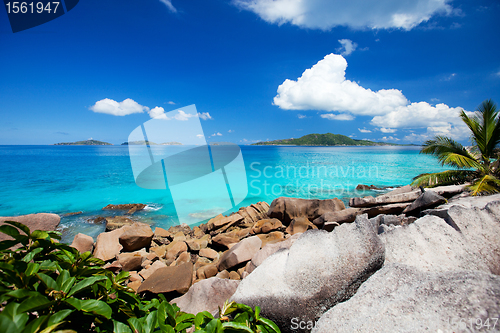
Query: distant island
x=84 y=143
x=142 y=142
x=327 y=139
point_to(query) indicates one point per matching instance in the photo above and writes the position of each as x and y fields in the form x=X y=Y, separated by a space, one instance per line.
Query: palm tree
x=478 y=164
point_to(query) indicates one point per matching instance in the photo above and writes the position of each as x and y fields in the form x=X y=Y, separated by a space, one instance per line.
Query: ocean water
x=65 y=179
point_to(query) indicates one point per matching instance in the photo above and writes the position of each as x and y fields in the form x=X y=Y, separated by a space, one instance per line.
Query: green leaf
x=34 y=303
x=31 y=254
x=202 y=318
x=257 y=312
x=7 y=325
x=32 y=269
x=119 y=327
x=6 y=244
x=58 y=316
x=49 y=282
x=184 y=317
x=34 y=325
x=85 y=283
x=270 y=324
x=135 y=324
x=22 y=293
x=213 y=326
x=19 y=225
x=94 y=306
x=238 y=327
x=39 y=234
x=10 y=230
x=11 y=312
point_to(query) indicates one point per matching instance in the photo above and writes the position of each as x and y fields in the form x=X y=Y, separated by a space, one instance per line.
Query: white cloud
x=342 y=116
x=216 y=134
x=301 y=116
x=169 y=5
x=171 y=103
x=364 y=130
x=450 y=77
x=230 y=131
x=183 y=116
x=324 y=87
x=200 y=136
x=158 y=113
x=204 y=115
x=389 y=138
x=388 y=130
x=348 y=46
x=356 y=14
x=112 y=107
x=497 y=73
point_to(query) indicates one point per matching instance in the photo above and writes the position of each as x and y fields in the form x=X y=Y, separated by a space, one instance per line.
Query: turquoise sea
x=65 y=179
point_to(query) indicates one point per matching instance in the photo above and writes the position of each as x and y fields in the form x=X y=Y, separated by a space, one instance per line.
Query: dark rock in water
x=362 y=187
x=206 y=295
x=400 y=298
x=319 y=270
x=287 y=209
x=97 y=219
x=428 y=199
x=115 y=222
x=169 y=279
x=130 y=208
x=41 y=221
x=71 y=214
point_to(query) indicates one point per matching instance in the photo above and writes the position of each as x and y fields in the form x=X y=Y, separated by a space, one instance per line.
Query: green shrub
x=47 y=286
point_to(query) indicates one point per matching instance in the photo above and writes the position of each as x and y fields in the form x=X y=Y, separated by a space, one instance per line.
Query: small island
x=138 y=143
x=327 y=139
x=84 y=143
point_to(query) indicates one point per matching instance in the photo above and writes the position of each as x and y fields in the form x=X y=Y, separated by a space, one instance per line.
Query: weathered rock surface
x=399 y=298
x=41 y=221
x=268 y=250
x=116 y=222
x=168 y=279
x=130 y=208
x=319 y=270
x=300 y=225
x=83 y=243
x=224 y=222
x=286 y=209
x=136 y=236
x=148 y=271
x=266 y=225
x=428 y=199
x=206 y=295
x=430 y=244
x=240 y=253
x=131 y=261
x=108 y=245
x=341 y=216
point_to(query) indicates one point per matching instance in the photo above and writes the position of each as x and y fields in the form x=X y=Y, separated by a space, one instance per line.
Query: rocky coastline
x=407 y=260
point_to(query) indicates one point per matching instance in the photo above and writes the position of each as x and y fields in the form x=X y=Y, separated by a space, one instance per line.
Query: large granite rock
x=240 y=253
x=168 y=279
x=268 y=250
x=399 y=298
x=41 y=221
x=319 y=270
x=206 y=295
x=266 y=225
x=116 y=222
x=136 y=236
x=341 y=216
x=286 y=209
x=430 y=244
x=108 y=245
x=83 y=243
x=428 y=199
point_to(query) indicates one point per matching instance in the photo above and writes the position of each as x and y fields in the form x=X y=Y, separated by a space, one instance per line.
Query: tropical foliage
x=47 y=286
x=477 y=164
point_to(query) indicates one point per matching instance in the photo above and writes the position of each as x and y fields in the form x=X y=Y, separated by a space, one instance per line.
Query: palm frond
x=450 y=152
x=448 y=177
x=485 y=185
x=485 y=128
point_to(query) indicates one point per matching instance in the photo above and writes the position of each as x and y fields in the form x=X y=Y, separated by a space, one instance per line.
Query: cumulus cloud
x=389 y=138
x=200 y=136
x=169 y=5
x=183 y=116
x=364 y=130
x=230 y=131
x=342 y=116
x=348 y=46
x=158 y=113
x=301 y=116
x=204 y=115
x=356 y=14
x=216 y=134
x=324 y=87
x=112 y=107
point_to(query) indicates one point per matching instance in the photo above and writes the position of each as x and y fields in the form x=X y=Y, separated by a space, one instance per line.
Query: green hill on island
x=327 y=139
x=138 y=143
x=84 y=143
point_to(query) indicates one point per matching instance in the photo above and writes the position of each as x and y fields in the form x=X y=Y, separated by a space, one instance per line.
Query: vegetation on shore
x=327 y=139
x=84 y=143
x=477 y=164
x=47 y=286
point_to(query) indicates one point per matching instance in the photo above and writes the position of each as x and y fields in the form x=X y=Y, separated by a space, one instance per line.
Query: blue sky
x=386 y=70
